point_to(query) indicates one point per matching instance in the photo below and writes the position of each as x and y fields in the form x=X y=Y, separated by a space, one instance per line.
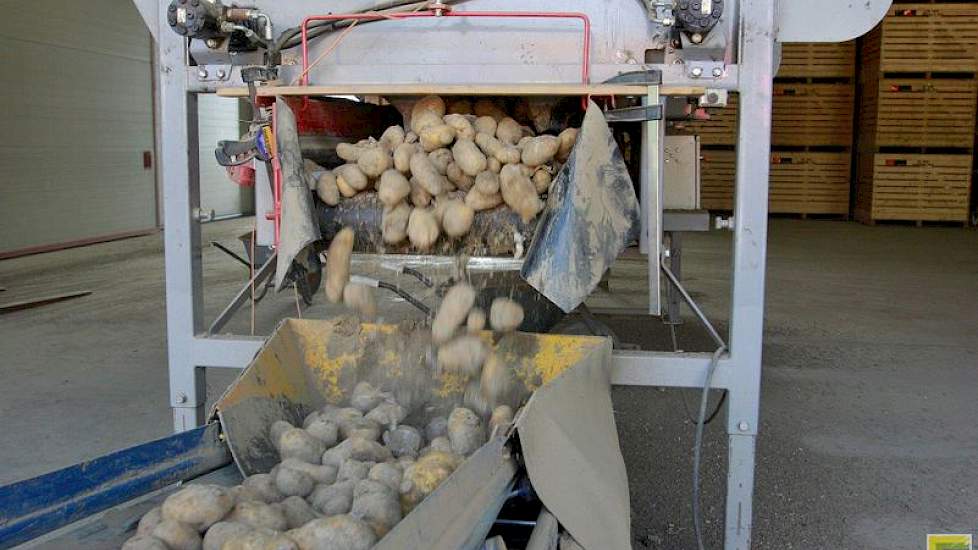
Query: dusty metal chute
x=591 y=216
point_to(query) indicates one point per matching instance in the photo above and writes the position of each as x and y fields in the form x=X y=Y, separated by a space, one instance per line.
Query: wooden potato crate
x=721 y=129
x=813 y=114
x=801 y=182
x=924 y=38
x=818 y=60
x=912 y=112
x=913 y=187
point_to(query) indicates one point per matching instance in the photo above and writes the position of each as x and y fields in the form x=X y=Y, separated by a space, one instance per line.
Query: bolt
x=697 y=38
x=667 y=22
x=221 y=74
x=213 y=43
x=181 y=398
x=717 y=72
x=202 y=73
x=696 y=72
x=743 y=426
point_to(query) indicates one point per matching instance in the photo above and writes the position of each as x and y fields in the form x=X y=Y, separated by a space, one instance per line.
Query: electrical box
x=681 y=173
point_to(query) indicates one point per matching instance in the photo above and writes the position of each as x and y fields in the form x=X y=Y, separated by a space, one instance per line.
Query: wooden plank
x=910 y=112
x=464 y=90
x=818 y=60
x=813 y=114
x=913 y=187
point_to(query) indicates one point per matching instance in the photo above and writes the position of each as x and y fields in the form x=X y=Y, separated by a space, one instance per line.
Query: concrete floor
x=868 y=434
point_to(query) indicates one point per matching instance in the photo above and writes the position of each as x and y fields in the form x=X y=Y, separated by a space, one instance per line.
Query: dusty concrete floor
x=868 y=434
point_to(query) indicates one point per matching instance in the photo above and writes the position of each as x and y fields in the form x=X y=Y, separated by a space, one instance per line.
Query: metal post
x=651 y=186
x=181 y=197
x=757 y=35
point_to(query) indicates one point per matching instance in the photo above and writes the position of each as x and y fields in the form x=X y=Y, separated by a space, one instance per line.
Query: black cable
x=698 y=445
x=682 y=392
x=419 y=276
x=403 y=294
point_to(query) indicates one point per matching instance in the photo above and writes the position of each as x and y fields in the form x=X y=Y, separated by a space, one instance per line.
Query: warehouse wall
x=77 y=123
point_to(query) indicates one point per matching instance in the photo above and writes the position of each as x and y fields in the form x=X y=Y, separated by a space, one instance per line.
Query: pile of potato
x=449 y=164
x=349 y=474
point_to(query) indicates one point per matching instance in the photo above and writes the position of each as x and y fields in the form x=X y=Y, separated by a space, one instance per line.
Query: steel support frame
x=739 y=371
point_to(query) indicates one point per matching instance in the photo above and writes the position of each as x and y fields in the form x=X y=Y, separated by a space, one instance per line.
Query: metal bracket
x=638 y=78
x=638 y=113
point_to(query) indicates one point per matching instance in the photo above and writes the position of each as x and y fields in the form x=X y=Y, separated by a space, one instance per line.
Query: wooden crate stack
x=917 y=114
x=811 y=135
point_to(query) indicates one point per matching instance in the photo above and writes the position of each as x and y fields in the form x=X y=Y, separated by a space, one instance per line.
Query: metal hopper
x=568 y=443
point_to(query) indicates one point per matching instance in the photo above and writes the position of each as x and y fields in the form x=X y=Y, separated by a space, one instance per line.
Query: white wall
x=76 y=117
x=218 y=119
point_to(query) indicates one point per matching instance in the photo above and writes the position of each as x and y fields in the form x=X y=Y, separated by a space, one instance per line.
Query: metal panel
x=77 y=120
x=681 y=173
x=827 y=20
x=33 y=507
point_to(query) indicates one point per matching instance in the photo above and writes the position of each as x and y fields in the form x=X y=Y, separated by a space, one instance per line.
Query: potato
x=365 y=397
x=362 y=428
x=358 y=449
x=422 y=229
x=519 y=193
x=452 y=312
x=540 y=150
x=476 y=321
x=388 y=474
x=326 y=188
x=343 y=187
x=377 y=504
x=508 y=131
x=436 y=136
x=436 y=427
x=441 y=444
x=278 y=428
x=567 y=140
x=502 y=416
x=352 y=176
x=394 y=223
x=393 y=188
x=333 y=499
x=149 y=521
x=348 y=151
x=360 y=298
x=469 y=157
x=387 y=413
x=341 y=532
x=324 y=430
x=344 y=416
x=338 y=265
x=177 y=536
x=297 y=512
x=419 y=196
x=292 y=482
x=487 y=183
x=458 y=218
x=424 y=476
x=242 y=493
x=403 y=440
x=472 y=399
x=354 y=470
x=479 y=201
x=402 y=157
x=497 y=380
x=465 y=431
x=463 y=128
x=259 y=515
x=426 y=111
x=522 y=142
x=505 y=154
x=264 y=486
x=526 y=171
x=373 y=162
x=427 y=175
x=541 y=180
x=320 y=473
x=505 y=315
x=297 y=443
x=197 y=506
x=463 y=355
x=494 y=165
x=144 y=542
x=392 y=137
x=488 y=107
x=458 y=178
x=259 y=539
x=440 y=158
x=486 y=125
x=411 y=137
x=222 y=531
x=459 y=106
